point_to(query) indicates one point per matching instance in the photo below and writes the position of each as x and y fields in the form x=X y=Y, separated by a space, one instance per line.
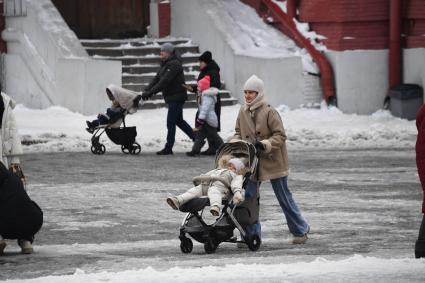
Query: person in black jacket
x=210 y=68
x=170 y=80
x=20 y=217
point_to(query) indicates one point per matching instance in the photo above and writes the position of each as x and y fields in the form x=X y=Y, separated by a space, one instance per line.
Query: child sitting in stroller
x=122 y=100
x=230 y=170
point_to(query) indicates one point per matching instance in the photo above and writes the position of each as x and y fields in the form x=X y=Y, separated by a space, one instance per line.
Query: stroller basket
x=122 y=136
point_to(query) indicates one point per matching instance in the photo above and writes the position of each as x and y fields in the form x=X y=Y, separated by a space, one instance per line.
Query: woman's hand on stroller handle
x=259 y=146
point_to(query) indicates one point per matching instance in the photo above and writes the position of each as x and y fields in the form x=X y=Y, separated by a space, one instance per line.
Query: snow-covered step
x=192 y=96
x=147 y=77
x=159 y=103
x=187 y=58
x=136 y=51
x=131 y=42
x=153 y=68
x=140 y=62
x=141 y=86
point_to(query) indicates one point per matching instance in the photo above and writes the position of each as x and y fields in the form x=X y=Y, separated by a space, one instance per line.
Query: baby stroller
x=231 y=216
x=124 y=136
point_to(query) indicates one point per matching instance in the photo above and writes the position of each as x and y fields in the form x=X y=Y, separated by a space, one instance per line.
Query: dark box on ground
x=405 y=100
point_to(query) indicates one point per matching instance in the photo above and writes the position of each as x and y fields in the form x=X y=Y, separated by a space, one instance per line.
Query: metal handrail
x=326 y=72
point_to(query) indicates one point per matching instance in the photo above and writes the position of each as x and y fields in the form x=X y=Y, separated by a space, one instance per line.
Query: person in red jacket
x=420 y=163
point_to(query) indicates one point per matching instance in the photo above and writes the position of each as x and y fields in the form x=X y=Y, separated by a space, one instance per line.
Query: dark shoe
x=90 y=130
x=420 y=249
x=192 y=153
x=89 y=124
x=209 y=151
x=165 y=151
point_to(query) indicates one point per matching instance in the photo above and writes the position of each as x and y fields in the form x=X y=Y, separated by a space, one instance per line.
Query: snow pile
x=354 y=269
x=58 y=129
x=249 y=35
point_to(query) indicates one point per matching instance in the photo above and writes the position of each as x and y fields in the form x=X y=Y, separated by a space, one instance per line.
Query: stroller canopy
x=239 y=149
x=124 y=97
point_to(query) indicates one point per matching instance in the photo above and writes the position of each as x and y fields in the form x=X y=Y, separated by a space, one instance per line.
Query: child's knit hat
x=204 y=83
x=237 y=163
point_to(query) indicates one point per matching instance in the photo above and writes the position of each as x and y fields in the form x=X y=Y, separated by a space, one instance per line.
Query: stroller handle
x=208 y=179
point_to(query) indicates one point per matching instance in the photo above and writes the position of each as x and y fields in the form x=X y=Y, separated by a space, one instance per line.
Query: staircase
x=140 y=62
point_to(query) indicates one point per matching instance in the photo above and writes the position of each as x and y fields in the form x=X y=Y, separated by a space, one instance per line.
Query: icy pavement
x=106 y=220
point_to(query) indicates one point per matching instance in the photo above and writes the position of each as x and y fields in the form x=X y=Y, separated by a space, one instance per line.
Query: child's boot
x=215 y=210
x=173 y=202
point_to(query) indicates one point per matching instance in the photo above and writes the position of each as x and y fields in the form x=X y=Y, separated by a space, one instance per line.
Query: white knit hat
x=237 y=163
x=254 y=83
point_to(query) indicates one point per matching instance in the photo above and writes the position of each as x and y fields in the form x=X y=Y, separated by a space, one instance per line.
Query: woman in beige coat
x=261 y=124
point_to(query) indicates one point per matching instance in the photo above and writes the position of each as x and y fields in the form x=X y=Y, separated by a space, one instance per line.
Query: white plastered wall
x=414 y=66
x=46 y=64
x=361 y=77
x=282 y=75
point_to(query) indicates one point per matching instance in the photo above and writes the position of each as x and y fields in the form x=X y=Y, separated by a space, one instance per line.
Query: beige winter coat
x=261 y=122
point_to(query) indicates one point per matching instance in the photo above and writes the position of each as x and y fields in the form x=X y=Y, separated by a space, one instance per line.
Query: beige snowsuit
x=215 y=190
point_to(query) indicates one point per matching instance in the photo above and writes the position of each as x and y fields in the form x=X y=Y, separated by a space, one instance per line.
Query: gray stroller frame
x=124 y=136
x=231 y=216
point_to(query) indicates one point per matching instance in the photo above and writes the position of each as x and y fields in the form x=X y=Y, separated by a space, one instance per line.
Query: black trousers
x=24 y=225
x=206 y=132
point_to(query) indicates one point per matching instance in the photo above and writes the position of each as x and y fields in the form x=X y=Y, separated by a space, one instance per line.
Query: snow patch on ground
x=58 y=129
x=352 y=269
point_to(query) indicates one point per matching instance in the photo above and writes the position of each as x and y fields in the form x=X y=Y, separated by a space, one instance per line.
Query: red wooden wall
x=362 y=24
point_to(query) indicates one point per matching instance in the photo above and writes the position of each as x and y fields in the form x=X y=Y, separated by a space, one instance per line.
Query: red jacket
x=420 y=149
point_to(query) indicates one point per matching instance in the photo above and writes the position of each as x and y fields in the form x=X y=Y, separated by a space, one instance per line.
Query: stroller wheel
x=125 y=150
x=186 y=245
x=102 y=149
x=253 y=242
x=98 y=149
x=136 y=148
x=210 y=246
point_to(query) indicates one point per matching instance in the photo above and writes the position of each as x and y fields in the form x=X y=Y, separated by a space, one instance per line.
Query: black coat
x=213 y=70
x=169 y=80
x=20 y=217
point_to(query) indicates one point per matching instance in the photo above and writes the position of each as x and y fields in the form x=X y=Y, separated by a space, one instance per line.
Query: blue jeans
x=297 y=225
x=175 y=118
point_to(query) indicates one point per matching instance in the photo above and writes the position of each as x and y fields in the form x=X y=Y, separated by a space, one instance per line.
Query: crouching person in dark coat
x=20 y=217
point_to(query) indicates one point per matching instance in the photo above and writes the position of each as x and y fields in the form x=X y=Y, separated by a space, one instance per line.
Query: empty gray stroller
x=231 y=216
